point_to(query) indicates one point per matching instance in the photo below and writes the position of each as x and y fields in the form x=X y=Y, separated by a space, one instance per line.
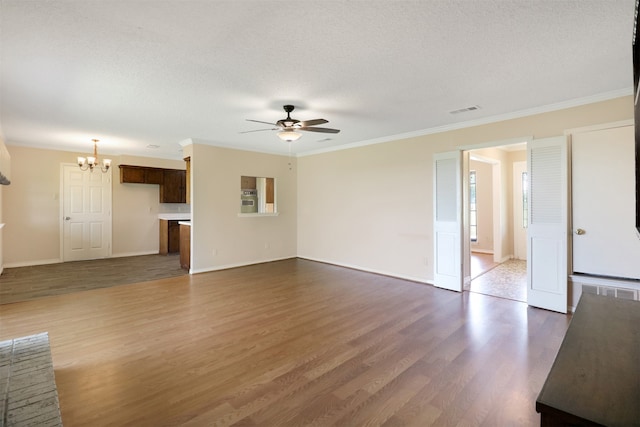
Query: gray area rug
x=27 y=384
x=507 y=280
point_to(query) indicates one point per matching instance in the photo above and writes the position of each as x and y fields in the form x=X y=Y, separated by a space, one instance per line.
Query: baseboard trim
x=369 y=270
x=506 y=258
x=236 y=265
x=32 y=263
x=126 y=254
x=482 y=251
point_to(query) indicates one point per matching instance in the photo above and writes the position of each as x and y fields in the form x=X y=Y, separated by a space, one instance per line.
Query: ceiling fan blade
x=322 y=130
x=258 y=130
x=260 y=121
x=306 y=123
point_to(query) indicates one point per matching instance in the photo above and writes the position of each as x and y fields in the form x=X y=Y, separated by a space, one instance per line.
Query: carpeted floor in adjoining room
x=27 y=283
x=507 y=280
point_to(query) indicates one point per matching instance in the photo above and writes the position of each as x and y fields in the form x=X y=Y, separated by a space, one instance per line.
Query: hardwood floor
x=481 y=263
x=39 y=281
x=291 y=343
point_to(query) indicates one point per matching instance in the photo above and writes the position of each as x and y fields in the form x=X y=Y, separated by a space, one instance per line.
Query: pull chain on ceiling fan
x=288 y=128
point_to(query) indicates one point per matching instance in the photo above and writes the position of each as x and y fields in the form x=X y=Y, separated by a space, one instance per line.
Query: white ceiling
x=139 y=73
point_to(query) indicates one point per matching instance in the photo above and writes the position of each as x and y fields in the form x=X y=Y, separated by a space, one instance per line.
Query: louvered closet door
x=547 y=237
x=448 y=221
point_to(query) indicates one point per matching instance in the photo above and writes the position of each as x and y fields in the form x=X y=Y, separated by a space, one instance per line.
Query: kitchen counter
x=170 y=231
x=594 y=378
x=178 y=216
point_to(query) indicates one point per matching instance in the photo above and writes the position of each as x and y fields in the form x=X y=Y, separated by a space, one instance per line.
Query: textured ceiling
x=139 y=73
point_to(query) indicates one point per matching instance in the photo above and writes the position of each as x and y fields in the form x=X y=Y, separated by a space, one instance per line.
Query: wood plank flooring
x=39 y=281
x=291 y=343
x=481 y=263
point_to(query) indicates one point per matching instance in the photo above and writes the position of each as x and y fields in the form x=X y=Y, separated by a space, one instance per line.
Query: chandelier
x=92 y=161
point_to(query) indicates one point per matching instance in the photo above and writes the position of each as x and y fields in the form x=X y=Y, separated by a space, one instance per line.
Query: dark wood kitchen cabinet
x=247 y=182
x=185 y=246
x=169 y=237
x=173 y=188
x=141 y=175
x=172 y=182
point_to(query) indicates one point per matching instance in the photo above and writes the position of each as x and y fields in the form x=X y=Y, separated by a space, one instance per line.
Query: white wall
x=31 y=207
x=501 y=197
x=371 y=207
x=221 y=238
x=368 y=207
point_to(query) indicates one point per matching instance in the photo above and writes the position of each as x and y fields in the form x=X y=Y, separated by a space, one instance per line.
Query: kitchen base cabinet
x=169 y=237
x=185 y=246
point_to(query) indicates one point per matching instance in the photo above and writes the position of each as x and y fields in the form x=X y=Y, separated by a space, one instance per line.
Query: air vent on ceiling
x=466 y=109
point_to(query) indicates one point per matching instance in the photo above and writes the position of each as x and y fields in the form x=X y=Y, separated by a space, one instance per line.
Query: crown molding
x=487 y=120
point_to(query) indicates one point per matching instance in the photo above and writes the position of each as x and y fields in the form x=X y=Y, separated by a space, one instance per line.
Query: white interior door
x=547 y=237
x=603 y=196
x=448 y=220
x=520 y=216
x=86 y=214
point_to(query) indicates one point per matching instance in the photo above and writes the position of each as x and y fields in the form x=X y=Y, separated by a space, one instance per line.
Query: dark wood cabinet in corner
x=173 y=188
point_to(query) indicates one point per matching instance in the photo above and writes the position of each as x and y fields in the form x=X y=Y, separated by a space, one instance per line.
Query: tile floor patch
x=507 y=280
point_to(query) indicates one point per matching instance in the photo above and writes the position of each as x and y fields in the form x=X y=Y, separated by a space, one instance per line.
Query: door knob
x=67 y=218
x=580 y=232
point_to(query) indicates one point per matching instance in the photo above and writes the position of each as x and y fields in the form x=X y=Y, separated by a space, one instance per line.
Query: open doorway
x=496 y=227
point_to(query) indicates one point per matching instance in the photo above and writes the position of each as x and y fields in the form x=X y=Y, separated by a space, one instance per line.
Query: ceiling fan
x=288 y=128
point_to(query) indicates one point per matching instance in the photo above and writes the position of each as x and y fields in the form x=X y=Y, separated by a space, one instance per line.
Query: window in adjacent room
x=473 y=210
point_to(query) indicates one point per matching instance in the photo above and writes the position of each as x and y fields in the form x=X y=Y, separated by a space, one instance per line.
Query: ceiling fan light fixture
x=289 y=129
x=289 y=135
